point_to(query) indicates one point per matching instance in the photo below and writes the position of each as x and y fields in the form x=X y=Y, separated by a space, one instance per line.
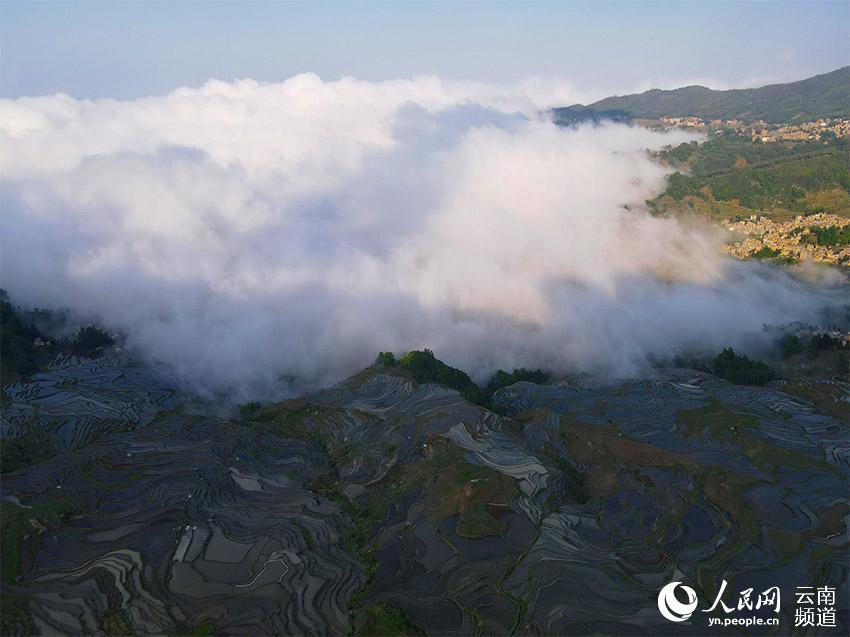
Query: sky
x=130 y=49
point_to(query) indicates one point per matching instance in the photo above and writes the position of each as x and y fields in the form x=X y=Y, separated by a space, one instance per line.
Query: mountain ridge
x=821 y=96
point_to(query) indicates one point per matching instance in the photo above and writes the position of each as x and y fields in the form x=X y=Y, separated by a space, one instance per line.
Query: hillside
x=764 y=178
x=390 y=504
x=822 y=96
x=798 y=192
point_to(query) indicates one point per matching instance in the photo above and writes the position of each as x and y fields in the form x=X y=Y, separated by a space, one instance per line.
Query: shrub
x=19 y=354
x=89 y=340
x=502 y=379
x=823 y=342
x=679 y=186
x=740 y=369
x=250 y=408
x=385 y=359
x=831 y=235
x=426 y=368
x=575 y=482
x=790 y=345
x=766 y=252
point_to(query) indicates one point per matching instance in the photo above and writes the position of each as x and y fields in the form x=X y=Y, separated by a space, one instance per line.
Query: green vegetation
x=723 y=153
x=766 y=252
x=503 y=379
x=820 y=96
x=740 y=369
x=302 y=420
x=90 y=341
x=769 y=457
x=690 y=361
x=426 y=368
x=115 y=621
x=203 y=629
x=290 y=419
x=468 y=491
x=715 y=420
x=681 y=154
x=26 y=350
x=19 y=354
x=34 y=446
x=679 y=186
x=759 y=177
x=782 y=183
x=20 y=530
x=579 y=114
x=604 y=449
x=825 y=395
x=246 y=410
x=449 y=486
x=381 y=619
x=790 y=345
x=832 y=235
x=15 y=615
x=824 y=341
x=385 y=359
x=576 y=482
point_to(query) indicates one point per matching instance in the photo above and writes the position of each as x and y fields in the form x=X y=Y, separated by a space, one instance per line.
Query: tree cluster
x=741 y=370
x=427 y=368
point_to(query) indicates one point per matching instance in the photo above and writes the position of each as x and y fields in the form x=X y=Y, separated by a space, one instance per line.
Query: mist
x=258 y=239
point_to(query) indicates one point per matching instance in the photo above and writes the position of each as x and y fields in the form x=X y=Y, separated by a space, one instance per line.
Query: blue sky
x=126 y=50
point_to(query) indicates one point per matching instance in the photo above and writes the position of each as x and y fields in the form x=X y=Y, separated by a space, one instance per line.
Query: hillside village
x=822 y=129
x=767 y=172
x=794 y=240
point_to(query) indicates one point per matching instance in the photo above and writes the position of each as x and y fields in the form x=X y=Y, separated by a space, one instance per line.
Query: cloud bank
x=245 y=233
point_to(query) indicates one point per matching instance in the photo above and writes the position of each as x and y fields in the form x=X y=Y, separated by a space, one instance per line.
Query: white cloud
x=242 y=231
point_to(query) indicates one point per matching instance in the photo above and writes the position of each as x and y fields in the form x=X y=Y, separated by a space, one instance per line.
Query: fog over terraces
x=266 y=238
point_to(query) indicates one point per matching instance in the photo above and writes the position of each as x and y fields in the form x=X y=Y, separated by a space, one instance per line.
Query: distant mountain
x=826 y=95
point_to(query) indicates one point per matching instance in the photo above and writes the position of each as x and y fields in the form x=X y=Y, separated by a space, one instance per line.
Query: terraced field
x=382 y=506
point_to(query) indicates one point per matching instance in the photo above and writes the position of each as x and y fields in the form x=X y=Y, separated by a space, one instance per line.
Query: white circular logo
x=672 y=608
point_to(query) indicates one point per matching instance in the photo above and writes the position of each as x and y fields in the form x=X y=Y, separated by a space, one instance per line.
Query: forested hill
x=826 y=95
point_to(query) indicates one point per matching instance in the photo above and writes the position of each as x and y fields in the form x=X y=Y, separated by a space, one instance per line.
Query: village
x=794 y=240
x=822 y=129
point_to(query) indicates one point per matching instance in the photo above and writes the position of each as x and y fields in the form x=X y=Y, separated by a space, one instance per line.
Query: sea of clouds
x=249 y=234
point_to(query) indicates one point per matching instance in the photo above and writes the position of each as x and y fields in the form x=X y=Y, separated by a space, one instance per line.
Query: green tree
x=90 y=341
x=740 y=369
x=385 y=359
x=790 y=345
